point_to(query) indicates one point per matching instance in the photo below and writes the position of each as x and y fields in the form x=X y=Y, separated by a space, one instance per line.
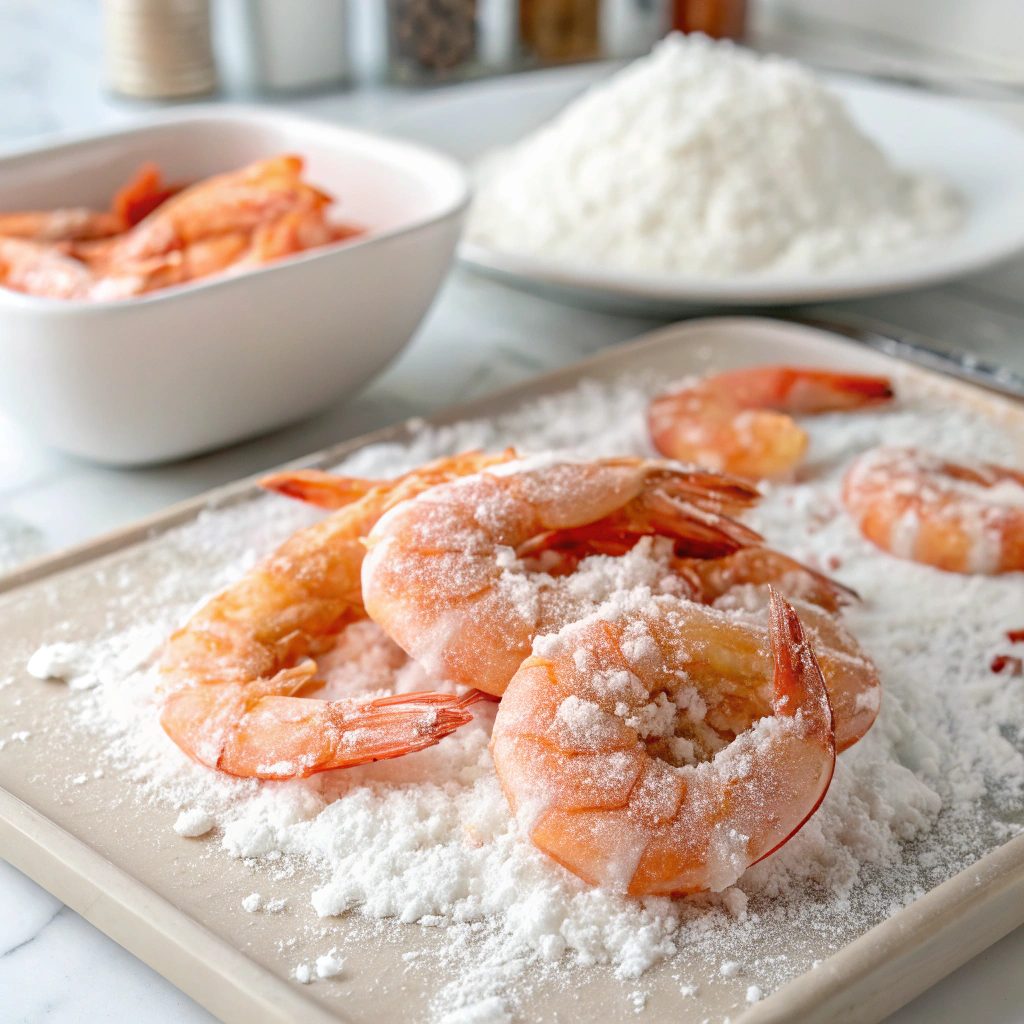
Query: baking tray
x=175 y=903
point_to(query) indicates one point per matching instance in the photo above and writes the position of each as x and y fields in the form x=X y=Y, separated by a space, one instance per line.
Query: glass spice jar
x=431 y=40
x=558 y=31
x=720 y=19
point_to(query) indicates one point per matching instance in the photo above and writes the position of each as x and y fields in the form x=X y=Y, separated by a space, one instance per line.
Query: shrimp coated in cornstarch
x=446 y=579
x=230 y=677
x=706 y=579
x=736 y=700
x=710 y=578
x=917 y=506
x=586 y=749
x=741 y=421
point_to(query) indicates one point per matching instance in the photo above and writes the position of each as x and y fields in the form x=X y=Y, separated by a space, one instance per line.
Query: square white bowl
x=194 y=367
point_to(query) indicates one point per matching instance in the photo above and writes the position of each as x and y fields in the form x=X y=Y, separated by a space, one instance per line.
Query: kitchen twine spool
x=159 y=49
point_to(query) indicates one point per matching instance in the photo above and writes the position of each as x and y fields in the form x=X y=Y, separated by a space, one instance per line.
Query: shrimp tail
x=703 y=531
x=261 y=731
x=800 y=693
x=712 y=492
x=801 y=391
x=331 y=491
x=696 y=530
x=799 y=682
x=314 y=486
x=860 y=390
x=402 y=724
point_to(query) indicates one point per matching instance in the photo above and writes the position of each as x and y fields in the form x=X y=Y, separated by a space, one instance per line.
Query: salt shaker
x=297 y=45
x=159 y=49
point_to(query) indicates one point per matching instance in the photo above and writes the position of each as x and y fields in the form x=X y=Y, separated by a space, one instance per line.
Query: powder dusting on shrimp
x=936 y=783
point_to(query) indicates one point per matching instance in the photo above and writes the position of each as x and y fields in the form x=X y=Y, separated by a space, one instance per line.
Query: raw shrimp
x=239 y=201
x=711 y=578
x=198 y=259
x=73 y=224
x=140 y=196
x=967 y=519
x=231 y=675
x=39 y=268
x=740 y=421
x=444 y=576
x=586 y=748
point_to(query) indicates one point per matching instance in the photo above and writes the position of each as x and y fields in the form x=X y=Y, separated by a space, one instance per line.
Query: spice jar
x=629 y=28
x=556 y=31
x=159 y=49
x=297 y=46
x=432 y=40
x=720 y=19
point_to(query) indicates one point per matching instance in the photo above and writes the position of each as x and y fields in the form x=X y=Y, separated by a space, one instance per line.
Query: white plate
x=981 y=156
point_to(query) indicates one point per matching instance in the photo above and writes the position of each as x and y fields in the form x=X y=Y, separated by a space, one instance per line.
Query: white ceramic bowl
x=191 y=368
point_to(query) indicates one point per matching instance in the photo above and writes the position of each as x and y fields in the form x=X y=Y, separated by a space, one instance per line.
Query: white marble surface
x=55 y=967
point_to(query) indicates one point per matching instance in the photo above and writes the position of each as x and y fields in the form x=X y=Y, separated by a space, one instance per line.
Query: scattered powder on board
x=429 y=838
x=705 y=158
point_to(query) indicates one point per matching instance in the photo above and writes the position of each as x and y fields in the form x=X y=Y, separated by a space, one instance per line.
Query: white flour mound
x=705 y=158
x=937 y=782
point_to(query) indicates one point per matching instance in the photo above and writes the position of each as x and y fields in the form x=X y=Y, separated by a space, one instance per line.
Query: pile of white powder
x=705 y=158
x=428 y=838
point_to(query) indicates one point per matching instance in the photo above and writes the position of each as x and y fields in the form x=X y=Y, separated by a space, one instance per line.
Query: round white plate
x=980 y=155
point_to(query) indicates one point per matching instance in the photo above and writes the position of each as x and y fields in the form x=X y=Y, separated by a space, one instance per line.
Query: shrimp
x=701 y=579
x=228 y=203
x=38 y=268
x=711 y=578
x=196 y=260
x=586 y=749
x=141 y=195
x=734 y=703
x=72 y=224
x=444 y=577
x=450 y=576
x=741 y=422
x=230 y=678
x=967 y=519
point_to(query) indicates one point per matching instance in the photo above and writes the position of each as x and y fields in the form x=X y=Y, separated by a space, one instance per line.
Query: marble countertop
x=55 y=967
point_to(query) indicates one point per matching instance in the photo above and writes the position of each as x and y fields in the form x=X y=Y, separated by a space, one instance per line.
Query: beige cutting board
x=175 y=902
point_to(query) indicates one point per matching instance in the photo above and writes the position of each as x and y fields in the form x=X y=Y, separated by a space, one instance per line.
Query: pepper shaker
x=432 y=40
